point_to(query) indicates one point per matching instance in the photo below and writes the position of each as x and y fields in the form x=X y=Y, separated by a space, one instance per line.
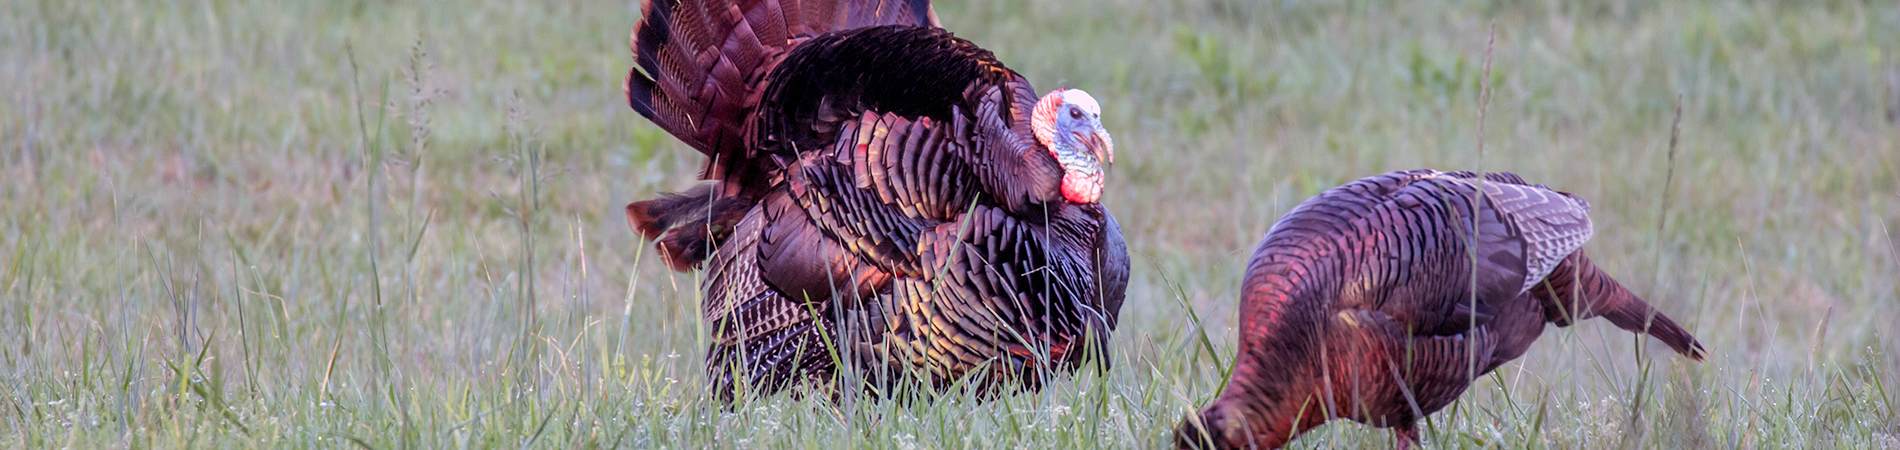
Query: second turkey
x=1381 y=300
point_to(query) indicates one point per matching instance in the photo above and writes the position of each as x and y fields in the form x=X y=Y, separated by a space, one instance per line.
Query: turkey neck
x=1072 y=225
x=1274 y=392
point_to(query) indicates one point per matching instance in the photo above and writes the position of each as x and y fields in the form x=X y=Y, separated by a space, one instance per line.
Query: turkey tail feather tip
x=686 y=226
x=1639 y=317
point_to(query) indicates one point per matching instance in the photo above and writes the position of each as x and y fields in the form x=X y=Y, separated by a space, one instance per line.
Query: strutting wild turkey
x=881 y=193
x=1377 y=302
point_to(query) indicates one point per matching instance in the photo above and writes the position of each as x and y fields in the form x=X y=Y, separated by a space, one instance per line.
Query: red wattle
x=1081 y=189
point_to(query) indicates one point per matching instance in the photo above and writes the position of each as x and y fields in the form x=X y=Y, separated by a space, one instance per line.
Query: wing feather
x=1547 y=225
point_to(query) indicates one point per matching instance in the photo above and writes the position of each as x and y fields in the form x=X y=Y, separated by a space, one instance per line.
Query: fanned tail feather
x=698 y=63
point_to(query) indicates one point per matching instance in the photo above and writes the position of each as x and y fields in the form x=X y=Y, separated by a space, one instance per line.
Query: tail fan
x=699 y=63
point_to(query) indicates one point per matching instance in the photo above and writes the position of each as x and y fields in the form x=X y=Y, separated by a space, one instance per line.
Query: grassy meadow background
x=232 y=223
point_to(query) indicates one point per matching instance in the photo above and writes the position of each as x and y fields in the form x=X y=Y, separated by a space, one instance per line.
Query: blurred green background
x=395 y=224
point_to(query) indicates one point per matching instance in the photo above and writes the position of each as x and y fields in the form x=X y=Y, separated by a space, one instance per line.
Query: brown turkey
x=879 y=193
x=1381 y=300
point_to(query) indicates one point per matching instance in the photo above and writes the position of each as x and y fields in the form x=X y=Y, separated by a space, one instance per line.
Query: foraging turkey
x=1381 y=300
x=879 y=193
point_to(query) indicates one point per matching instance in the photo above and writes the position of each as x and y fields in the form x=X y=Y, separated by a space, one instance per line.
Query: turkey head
x=1068 y=122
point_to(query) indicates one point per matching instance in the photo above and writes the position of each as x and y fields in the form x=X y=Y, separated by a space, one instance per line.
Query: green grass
x=397 y=224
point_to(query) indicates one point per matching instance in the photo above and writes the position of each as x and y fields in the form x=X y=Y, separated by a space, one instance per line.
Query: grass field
x=237 y=223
